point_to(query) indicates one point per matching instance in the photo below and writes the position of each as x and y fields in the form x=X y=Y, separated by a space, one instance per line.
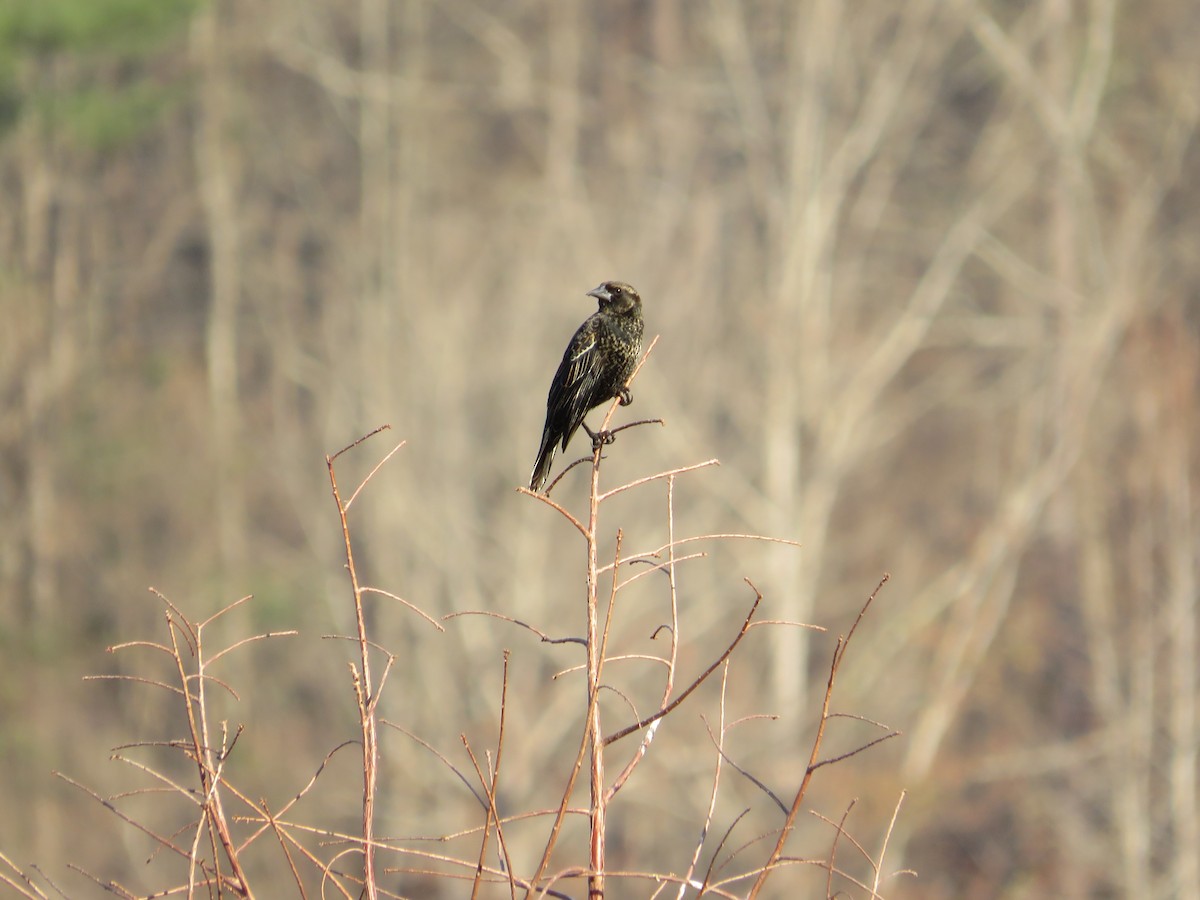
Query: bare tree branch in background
x=217 y=178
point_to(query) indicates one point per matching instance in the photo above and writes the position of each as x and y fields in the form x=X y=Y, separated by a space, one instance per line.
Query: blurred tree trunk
x=50 y=316
x=218 y=174
x=40 y=425
x=802 y=228
x=1182 y=614
x=377 y=301
x=1069 y=354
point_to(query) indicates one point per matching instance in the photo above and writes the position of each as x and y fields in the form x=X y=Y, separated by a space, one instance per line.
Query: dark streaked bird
x=599 y=360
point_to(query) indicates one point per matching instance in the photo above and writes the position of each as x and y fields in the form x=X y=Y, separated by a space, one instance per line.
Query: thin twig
x=28 y=888
x=674 y=704
x=299 y=794
x=364 y=687
x=420 y=612
x=658 y=476
x=789 y=822
x=545 y=638
x=489 y=788
x=841 y=829
x=716 y=782
x=673 y=652
x=857 y=750
x=887 y=836
x=266 y=635
x=222 y=611
x=444 y=760
x=862 y=851
x=489 y=814
x=745 y=774
x=566 y=514
x=379 y=465
x=279 y=834
x=190 y=629
x=137 y=679
x=652 y=567
x=366 y=437
x=719 y=536
x=708 y=873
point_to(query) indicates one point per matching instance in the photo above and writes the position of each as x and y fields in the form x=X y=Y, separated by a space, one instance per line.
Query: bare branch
x=674 y=704
x=420 y=612
x=379 y=465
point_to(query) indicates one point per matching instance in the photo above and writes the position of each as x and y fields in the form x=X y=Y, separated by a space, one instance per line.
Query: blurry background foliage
x=926 y=279
x=53 y=50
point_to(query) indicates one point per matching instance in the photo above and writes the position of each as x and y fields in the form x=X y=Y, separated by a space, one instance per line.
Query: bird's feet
x=624 y=397
x=599 y=438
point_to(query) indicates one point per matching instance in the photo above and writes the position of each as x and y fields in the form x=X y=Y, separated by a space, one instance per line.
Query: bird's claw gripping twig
x=599 y=438
x=625 y=397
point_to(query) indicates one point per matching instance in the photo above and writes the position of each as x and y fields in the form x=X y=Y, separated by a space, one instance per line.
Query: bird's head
x=616 y=296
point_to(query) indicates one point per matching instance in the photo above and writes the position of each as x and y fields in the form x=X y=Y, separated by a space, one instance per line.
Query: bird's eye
x=615 y=291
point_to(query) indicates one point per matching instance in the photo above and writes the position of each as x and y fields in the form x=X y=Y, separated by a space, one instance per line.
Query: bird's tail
x=541 y=468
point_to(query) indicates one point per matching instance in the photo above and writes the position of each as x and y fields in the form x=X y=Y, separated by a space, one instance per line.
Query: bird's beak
x=600 y=293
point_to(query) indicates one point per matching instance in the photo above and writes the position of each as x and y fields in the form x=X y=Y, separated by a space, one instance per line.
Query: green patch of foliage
x=124 y=27
x=105 y=119
x=51 y=52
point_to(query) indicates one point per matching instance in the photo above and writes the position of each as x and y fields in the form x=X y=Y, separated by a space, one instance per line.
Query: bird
x=598 y=361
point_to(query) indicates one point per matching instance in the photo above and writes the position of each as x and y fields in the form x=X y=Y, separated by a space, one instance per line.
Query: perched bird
x=599 y=360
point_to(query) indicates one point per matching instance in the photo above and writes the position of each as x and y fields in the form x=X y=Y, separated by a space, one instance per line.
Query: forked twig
x=841 y=829
x=365 y=690
x=489 y=787
x=673 y=652
x=789 y=822
x=887 y=836
x=716 y=783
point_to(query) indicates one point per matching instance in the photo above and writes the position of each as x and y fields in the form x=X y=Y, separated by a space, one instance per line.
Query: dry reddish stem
x=363 y=687
x=839 y=654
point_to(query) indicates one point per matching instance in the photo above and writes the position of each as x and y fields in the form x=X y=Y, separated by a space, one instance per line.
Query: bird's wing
x=574 y=382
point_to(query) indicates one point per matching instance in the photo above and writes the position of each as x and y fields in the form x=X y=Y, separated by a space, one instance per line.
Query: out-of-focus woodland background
x=926 y=277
